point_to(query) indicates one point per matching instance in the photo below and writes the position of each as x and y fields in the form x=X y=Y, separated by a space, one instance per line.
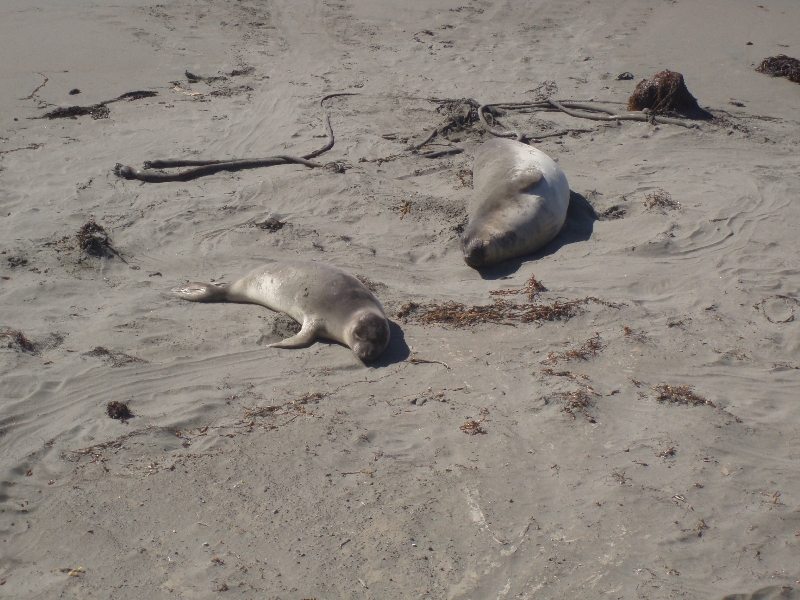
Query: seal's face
x=474 y=251
x=482 y=249
x=370 y=336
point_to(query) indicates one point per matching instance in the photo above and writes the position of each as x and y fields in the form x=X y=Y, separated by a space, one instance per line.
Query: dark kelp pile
x=96 y=111
x=666 y=91
x=781 y=66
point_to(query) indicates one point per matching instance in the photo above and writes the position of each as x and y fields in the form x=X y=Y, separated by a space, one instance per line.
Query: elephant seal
x=519 y=205
x=328 y=303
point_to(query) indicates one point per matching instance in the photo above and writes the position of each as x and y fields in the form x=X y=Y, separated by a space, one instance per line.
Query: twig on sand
x=422 y=361
x=209 y=167
x=36 y=91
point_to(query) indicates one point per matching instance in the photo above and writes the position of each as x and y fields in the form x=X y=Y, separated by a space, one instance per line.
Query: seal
x=327 y=301
x=519 y=205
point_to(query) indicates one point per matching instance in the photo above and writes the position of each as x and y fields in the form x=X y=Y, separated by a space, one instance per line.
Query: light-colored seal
x=519 y=205
x=328 y=303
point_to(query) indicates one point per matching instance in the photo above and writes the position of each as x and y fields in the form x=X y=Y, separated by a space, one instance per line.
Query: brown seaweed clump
x=781 y=66
x=96 y=111
x=589 y=348
x=21 y=341
x=666 y=91
x=118 y=410
x=679 y=394
x=93 y=239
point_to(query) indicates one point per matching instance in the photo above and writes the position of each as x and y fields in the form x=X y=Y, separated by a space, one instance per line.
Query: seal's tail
x=202 y=292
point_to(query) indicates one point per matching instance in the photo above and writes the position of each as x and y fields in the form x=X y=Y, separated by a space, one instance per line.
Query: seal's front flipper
x=526 y=179
x=303 y=338
x=202 y=292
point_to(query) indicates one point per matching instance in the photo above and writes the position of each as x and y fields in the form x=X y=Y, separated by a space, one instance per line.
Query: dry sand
x=263 y=473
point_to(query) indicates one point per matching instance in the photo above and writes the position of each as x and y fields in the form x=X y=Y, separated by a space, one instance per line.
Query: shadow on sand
x=396 y=352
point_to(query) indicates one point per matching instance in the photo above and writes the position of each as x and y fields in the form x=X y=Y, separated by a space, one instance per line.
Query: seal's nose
x=475 y=253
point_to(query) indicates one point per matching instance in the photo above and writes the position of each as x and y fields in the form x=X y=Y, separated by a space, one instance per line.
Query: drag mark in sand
x=476 y=514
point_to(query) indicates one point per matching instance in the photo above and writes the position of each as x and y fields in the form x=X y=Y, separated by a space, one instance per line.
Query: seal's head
x=474 y=251
x=482 y=248
x=369 y=335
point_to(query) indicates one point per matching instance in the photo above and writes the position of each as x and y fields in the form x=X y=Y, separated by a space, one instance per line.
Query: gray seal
x=519 y=205
x=328 y=303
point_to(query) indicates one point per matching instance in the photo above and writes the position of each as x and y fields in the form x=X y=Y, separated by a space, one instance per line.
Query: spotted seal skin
x=327 y=301
x=519 y=205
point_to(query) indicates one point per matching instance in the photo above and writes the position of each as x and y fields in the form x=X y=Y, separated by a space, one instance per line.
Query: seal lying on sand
x=520 y=202
x=327 y=302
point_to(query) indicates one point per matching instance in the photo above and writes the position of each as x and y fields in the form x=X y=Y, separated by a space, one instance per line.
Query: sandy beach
x=642 y=443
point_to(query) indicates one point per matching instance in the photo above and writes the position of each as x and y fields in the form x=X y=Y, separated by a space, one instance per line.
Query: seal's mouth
x=475 y=252
x=370 y=336
x=366 y=351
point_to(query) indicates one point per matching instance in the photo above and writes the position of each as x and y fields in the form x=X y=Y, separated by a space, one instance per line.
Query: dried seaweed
x=500 y=311
x=473 y=428
x=666 y=91
x=21 y=341
x=576 y=401
x=17 y=261
x=94 y=241
x=118 y=410
x=680 y=394
x=781 y=66
x=96 y=111
x=787 y=299
x=532 y=288
x=612 y=213
x=270 y=224
x=116 y=358
x=660 y=199
x=406 y=309
x=588 y=349
x=35 y=347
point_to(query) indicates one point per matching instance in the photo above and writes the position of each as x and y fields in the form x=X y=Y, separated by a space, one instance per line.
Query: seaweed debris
x=589 y=348
x=532 y=288
x=118 y=410
x=94 y=241
x=666 y=91
x=679 y=394
x=576 y=401
x=781 y=66
x=500 y=311
x=96 y=111
x=473 y=428
x=19 y=339
x=270 y=224
x=117 y=359
x=660 y=199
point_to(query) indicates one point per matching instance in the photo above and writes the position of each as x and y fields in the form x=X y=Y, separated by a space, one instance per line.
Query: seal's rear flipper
x=303 y=338
x=202 y=292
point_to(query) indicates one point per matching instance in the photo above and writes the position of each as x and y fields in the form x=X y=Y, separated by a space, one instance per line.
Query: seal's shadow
x=577 y=228
x=396 y=352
